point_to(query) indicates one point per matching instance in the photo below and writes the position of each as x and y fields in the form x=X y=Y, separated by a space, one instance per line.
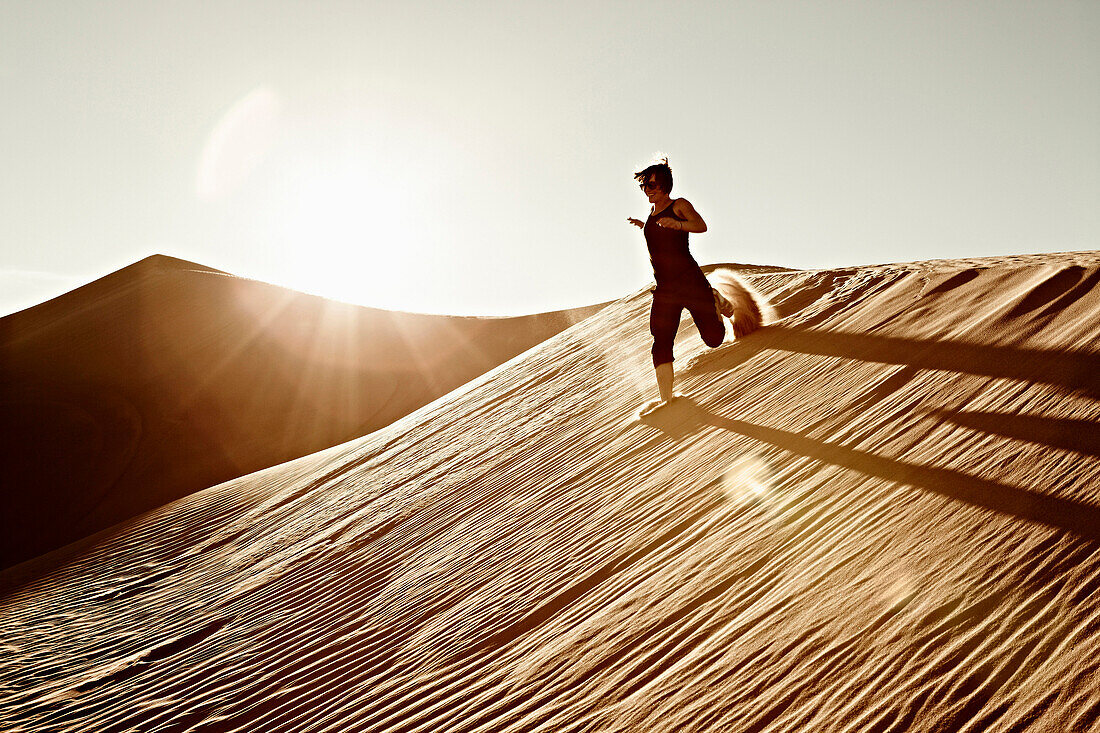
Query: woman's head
x=661 y=173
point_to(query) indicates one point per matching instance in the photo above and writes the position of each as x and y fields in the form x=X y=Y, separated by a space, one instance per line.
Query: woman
x=680 y=282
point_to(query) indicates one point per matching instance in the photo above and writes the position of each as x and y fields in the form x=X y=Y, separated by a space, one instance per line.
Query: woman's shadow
x=683 y=417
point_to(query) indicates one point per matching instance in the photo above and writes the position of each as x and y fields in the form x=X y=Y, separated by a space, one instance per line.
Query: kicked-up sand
x=881 y=512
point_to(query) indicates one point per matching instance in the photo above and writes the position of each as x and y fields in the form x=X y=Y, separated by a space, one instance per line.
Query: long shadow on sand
x=1070 y=369
x=1082 y=436
x=1083 y=519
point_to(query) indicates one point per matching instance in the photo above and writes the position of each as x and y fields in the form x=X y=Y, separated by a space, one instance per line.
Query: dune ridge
x=167 y=377
x=879 y=513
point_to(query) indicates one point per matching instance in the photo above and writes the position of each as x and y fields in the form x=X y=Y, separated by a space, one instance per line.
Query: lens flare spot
x=238 y=144
x=748 y=480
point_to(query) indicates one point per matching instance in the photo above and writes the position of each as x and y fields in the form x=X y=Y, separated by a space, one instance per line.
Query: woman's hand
x=636 y=222
x=667 y=223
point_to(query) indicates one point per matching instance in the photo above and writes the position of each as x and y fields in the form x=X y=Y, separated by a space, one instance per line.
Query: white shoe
x=723 y=306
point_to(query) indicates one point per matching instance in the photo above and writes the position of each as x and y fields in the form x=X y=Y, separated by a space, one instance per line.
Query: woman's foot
x=650 y=407
x=723 y=306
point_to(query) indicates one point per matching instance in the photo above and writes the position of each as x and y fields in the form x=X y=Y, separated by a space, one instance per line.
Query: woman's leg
x=665 y=380
x=710 y=324
x=664 y=321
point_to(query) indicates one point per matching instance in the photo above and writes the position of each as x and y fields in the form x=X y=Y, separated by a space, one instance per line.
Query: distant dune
x=167 y=377
x=879 y=513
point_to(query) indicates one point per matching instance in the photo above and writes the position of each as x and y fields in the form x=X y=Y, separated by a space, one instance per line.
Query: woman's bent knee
x=714 y=339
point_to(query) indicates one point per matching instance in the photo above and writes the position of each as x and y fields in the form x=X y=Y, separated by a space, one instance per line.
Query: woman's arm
x=692 y=221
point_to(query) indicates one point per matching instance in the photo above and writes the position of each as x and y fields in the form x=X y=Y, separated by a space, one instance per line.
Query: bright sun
x=343 y=236
x=329 y=220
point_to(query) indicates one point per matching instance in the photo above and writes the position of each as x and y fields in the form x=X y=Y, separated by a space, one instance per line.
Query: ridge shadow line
x=1071 y=434
x=1072 y=369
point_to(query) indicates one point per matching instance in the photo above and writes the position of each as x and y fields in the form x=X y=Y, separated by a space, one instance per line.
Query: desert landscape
x=880 y=512
x=167 y=377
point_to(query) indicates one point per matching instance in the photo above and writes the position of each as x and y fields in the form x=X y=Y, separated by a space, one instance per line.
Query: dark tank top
x=674 y=269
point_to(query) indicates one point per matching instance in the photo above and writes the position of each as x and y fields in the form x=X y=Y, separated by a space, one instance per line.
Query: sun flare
x=238 y=144
x=343 y=236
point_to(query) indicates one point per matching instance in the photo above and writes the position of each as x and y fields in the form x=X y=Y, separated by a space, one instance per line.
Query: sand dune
x=168 y=377
x=880 y=513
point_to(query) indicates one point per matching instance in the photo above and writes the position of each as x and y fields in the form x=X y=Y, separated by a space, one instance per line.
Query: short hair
x=661 y=172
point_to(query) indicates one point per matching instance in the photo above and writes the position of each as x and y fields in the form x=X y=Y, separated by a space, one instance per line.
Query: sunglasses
x=649 y=186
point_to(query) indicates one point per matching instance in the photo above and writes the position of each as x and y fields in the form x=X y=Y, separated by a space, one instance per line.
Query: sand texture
x=880 y=513
x=168 y=377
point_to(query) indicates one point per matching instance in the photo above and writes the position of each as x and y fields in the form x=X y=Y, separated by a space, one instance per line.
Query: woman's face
x=651 y=188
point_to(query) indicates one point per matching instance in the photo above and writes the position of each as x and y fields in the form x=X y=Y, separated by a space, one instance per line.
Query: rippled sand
x=879 y=513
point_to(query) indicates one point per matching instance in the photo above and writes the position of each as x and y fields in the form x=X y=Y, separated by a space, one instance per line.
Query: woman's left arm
x=692 y=222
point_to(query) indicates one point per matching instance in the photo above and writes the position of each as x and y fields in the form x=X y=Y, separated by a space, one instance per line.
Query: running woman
x=680 y=282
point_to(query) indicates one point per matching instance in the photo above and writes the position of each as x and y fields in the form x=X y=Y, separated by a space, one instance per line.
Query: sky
x=477 y=157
